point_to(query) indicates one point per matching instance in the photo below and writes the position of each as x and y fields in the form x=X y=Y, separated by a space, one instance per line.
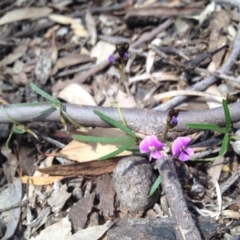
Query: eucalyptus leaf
x=155 y=185
x=227 y=116
x=100 y=139
x=206 y=126
x=118 y=151
x=115 y=123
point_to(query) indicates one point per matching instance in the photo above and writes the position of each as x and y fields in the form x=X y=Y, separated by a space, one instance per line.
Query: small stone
x=132 y=179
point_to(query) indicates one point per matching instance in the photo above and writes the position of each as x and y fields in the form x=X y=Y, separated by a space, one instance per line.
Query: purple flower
x=126 y=56
x=180 y=149
x=111 y=59
x=174 y=121
x=150 y=144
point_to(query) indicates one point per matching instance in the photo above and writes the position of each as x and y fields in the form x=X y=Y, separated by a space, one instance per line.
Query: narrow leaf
x=18 y=130
x=82 y=138
x=10 y=136
x=44 y=94
x=227 y=115
x=155 y=185
x=118 y=151
x=204 y=127
x=10 y=118
x=115 y=123
x=70 y=119
x=224 y=145
x=134 y=150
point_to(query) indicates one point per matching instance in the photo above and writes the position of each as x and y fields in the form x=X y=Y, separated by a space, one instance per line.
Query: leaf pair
x=55 y=104
x=127 y=141
x=213 y=127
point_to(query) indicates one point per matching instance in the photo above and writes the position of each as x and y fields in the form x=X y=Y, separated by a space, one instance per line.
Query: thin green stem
x=121 y=71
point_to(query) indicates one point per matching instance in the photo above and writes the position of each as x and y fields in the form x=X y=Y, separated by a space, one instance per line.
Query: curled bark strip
x=185 y=227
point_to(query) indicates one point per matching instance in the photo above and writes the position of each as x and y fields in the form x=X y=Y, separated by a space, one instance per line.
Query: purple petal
x=150 y=141
x=178 y=144
x=126 y=56
x=111 y=59
x=186 y=154
x=154 y=142
x=174 y=121
x=144 y=146
x=156 y=154
x=185 y=141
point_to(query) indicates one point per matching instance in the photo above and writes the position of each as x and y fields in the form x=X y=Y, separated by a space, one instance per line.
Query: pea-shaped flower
x=150 y=144
x=111 y=59
x=180 y=149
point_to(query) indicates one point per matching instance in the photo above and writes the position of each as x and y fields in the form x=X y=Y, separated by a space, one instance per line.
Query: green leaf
x=134 y=150
x=227 y=116
x=44 y=94
x=205 y=126
x=10 y=136
x=73 y=122
x=115 y=124
x=224 y=145
x=18 y=130
x=155 y=185
x=100 y=139
x=118 y=151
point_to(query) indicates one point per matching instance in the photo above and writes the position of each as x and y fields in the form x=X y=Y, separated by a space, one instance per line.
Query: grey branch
x=142 y=121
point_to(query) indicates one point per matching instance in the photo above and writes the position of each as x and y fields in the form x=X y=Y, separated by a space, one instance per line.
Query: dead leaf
x=15 y=189
x=78 y=214
x=217 y=39
x=213 y=103
x=102 y=50
x=125 y=101
x=70 y=61
x=25 y=13
x=58 y=198
x=214 y=171
x=20 y=79
x=158 y=76
x=52 y=232
x=85 y=152
x=77 y=27
x=10 y=166
x=92 y=233
x=76 y=94
x=91 y=26
x=43 y=68
x=15 y=55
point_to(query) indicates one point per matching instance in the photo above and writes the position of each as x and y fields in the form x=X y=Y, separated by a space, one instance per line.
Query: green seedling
x=213 y=127
x=126 y=141
x=155 y=185
x=17 y=128
x=57 y=105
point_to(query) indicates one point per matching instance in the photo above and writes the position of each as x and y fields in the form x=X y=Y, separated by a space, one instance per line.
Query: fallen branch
x=142 y=121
